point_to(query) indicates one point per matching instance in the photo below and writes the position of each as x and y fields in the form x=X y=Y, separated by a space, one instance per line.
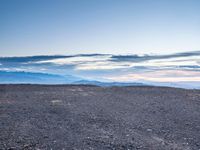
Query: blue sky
x=45 y=27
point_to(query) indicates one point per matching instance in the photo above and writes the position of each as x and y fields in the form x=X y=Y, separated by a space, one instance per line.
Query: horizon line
x=93 y=54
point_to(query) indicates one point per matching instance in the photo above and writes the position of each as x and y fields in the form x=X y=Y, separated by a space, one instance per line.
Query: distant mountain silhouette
x=44 y=78
x=98 y=83
x=35 y=78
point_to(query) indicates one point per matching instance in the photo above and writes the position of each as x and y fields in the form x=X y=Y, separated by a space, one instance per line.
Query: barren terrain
x=90 y=117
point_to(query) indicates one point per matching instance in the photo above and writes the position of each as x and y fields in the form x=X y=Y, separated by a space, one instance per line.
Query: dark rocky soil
x=88 y=117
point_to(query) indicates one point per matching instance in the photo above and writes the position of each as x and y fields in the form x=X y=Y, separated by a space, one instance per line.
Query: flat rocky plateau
x=83 y=117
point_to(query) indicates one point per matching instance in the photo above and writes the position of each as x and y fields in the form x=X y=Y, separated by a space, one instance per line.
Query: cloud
x=125 y=68
x=159 y=76
x=139 y=58
x=76 y=60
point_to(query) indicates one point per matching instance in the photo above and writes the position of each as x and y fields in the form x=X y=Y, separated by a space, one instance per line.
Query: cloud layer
x=176 y=68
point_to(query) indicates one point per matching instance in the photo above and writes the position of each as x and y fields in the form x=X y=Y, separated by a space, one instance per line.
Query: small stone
x=149 y=130
x=45 y=136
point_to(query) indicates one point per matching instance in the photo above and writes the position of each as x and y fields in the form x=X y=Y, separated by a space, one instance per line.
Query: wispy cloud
x=159 y=76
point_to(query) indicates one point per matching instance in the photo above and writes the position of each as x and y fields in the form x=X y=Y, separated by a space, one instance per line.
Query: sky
x=50 y=27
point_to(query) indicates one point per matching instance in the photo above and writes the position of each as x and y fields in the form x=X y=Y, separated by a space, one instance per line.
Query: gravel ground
x=88 y=117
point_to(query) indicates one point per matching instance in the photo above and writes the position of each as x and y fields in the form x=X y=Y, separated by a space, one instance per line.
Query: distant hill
x=35 y=78
x=86 y=82
x=7 y=77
